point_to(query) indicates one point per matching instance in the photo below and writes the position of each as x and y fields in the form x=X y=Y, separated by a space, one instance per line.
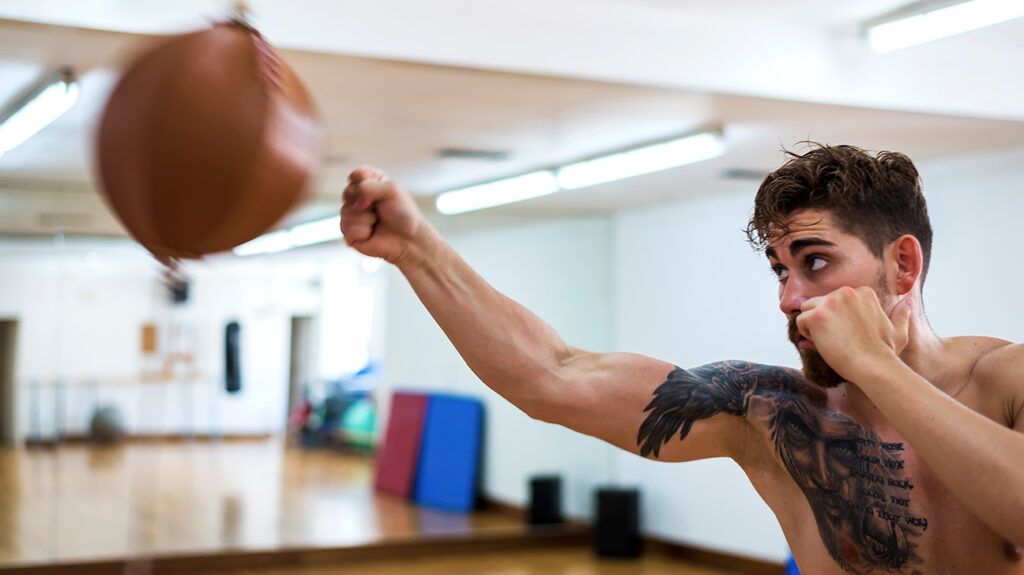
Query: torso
x=856 y=498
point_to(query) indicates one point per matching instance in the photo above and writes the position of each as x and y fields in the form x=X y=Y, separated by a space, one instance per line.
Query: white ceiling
x=601 y=74
x=805 y=50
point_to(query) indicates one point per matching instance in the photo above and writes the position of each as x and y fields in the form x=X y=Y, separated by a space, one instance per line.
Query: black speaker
x=617 y=529
x=545 y=500
x=232 y=369
x=179 y=291
x=177 y=286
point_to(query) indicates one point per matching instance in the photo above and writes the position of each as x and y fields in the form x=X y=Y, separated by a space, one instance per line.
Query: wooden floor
x=82 y=503
x=571 y=561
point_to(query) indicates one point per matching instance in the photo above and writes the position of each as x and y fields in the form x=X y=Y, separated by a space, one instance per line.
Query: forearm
x=980 y=461
x=508 y=347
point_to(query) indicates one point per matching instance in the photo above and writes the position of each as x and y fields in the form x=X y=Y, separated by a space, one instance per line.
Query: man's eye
x=815 y=263
x=780 y=272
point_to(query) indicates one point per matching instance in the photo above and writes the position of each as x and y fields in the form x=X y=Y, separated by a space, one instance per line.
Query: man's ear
x=909 y=261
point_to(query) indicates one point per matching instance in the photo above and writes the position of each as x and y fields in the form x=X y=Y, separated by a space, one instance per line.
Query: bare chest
x=855 y=501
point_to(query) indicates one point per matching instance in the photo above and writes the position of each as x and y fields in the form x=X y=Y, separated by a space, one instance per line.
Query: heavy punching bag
x=232 y=358
x=207 y=141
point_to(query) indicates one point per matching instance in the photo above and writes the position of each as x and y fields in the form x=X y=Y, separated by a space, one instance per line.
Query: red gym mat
x=398 y=457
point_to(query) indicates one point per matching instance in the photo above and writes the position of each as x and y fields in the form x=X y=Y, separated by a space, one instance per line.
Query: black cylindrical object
x=232 y=367
x=179 y=290
x=617 y=528
x=545 y=500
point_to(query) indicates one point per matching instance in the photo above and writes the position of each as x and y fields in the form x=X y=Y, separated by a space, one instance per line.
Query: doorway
x=8 y=348
x=301 y=365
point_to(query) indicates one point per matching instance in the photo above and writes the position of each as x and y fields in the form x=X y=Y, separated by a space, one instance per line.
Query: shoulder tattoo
x=854 y=482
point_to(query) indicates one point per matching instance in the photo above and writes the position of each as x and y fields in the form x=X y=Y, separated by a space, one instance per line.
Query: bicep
x=651 y=407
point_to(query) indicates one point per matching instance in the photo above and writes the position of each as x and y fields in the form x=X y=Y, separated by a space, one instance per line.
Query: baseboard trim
x=569 y=534
x=711 y=558
x=513 y=540
x=488 y=504
x=703 y=556
x=152 y=438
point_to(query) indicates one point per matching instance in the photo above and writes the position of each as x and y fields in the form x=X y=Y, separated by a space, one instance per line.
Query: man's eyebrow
x=798 y=245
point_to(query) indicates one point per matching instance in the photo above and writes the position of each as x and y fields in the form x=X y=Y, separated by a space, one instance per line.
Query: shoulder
x=735 y=369
x=997 y=359
x=999 y=373
x=755 y=379
x=701 y=393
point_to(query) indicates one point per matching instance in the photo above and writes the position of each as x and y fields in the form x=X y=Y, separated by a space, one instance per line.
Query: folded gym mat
x=450 y=453
x=399 y=454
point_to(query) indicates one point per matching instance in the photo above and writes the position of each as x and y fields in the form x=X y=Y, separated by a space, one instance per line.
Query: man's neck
x=925 y=354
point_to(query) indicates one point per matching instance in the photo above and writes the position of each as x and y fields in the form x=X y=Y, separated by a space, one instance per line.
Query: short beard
x=815 y=368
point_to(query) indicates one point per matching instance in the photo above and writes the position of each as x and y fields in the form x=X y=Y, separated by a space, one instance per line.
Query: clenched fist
x=850 y=329
x=381 y=220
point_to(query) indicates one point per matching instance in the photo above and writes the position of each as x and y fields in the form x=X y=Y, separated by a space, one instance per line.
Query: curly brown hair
x=876 y=197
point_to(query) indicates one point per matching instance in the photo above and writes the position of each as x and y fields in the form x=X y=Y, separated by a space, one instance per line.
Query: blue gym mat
x=450 y=453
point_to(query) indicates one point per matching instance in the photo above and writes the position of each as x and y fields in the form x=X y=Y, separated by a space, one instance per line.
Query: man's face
x=814 y=259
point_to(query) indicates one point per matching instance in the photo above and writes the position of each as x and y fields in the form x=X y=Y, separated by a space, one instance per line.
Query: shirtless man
x=893 y=450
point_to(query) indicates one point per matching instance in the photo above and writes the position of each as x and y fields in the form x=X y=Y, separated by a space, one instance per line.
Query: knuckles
x=867 y=294
x=850 y=295
x=811 y=318
x=845 y=293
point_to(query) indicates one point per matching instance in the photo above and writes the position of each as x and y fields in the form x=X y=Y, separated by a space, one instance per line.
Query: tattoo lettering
x=854 y=482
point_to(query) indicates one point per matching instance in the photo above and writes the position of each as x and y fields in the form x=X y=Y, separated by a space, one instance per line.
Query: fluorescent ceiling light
x=316 y=232
x=516 y=189
x=266 y=244
x=307 y=234
x=617 y=166
x=43 y=103
x=896 y=32
x=639 y=161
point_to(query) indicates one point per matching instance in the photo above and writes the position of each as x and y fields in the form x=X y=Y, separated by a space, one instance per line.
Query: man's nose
x=792 y=295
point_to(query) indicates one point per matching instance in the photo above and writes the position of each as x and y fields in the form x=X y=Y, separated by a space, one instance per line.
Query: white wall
x=558 y=269
x=690 y=291
x=977 y=206
x=81 y=307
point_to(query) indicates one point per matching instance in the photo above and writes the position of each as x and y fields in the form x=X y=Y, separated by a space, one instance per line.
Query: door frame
x=9 y=326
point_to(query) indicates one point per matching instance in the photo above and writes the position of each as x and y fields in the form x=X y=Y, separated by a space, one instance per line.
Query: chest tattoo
x=855 y=483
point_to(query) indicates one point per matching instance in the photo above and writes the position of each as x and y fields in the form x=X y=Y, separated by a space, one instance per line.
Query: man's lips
x=804 y=343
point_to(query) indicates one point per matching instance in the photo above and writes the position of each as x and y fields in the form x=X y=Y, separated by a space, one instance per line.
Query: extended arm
x=521 y=358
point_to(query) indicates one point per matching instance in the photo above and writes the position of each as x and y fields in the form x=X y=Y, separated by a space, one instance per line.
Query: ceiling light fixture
x=640 y=161
x=297 y=236
x=315 y=232
x=629 y=163
x=500 y=192
x=37 y=107
x=928 y=21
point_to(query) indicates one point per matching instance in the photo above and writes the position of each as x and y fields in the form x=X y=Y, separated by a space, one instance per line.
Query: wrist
x=421 y=251
x=878 y=370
